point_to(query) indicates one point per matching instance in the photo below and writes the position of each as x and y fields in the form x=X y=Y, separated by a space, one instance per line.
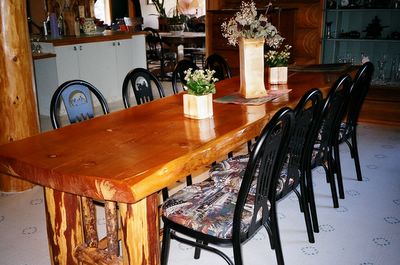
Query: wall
x=150 y=15
x=149 y=12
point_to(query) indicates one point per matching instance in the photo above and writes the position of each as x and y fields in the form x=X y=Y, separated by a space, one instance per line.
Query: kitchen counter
x=39 y=56
x=87 y=38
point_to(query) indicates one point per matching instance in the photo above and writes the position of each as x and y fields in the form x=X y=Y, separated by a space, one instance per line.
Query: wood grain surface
x=18 y=112
x=130 y=154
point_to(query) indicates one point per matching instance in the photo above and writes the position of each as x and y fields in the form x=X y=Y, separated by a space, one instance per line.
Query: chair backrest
x=154 y=44
x=140 y=80
x=179 y=74
x=332 y=113
x=217 y=63
x=307 y=113
x=262 y=172
x=361 y=85
x=76 y=95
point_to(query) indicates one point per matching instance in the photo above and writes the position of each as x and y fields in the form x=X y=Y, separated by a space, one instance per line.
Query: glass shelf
x=363 y=10
x=360 y=40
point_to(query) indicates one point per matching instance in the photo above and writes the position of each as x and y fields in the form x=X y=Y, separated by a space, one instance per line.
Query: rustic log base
x=96 y=256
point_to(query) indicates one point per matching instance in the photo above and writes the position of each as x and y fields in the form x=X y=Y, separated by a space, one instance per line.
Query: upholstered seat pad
x=208 y=208
x=227 y=172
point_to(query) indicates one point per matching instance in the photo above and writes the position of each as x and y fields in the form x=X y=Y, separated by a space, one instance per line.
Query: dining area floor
x=364 y=230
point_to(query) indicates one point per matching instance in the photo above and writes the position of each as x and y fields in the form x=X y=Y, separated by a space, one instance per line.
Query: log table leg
x=64 y=226
x=140 y=232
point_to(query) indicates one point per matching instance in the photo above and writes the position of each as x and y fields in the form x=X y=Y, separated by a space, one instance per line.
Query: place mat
x=333 y=67
x=236 y=98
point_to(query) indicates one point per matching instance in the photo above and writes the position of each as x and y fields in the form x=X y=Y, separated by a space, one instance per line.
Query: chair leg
x=165 y=245
x=165 y=194
x=338 y=170
x=332 y=183
x=307 y=218
x=271 y=236
x=237 y=253
x=356 y=157
x=277 y=240
x=189 y=180
x=249 y=143
x=311 y=200
x=197 y=250
x=299 y=197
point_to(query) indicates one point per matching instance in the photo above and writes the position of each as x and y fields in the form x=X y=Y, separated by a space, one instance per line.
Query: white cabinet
x=103 y=64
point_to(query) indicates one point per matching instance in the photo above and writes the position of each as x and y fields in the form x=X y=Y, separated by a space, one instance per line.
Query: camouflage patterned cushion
x=224 y=171
x=208 y=208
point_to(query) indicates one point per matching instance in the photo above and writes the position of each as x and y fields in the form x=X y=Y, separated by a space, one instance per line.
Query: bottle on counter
x=53 y=26
x=60 y=25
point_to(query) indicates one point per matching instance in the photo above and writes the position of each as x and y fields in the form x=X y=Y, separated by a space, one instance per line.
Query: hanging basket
x=251 y=52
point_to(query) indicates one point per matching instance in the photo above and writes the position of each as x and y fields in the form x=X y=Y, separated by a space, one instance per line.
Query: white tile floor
x=365 y=230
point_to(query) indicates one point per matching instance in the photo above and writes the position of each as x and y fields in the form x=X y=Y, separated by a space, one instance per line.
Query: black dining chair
x=300 y=148
x=178 y=75
x=76 y=97
x=158 y=57
x=221 y=67
x=326 y=137
x=222 y=213
x=139 y=81
x=348 y=127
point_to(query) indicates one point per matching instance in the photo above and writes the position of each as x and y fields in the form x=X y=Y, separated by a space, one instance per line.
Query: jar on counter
x=89 y=27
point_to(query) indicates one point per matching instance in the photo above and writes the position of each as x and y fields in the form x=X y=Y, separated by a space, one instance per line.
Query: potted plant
x=251 y=31
x=162 y=16
x=278 y=65
x=176 y=24
x=200 y=84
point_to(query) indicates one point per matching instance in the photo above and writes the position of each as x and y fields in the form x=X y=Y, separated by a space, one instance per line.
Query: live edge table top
x=127 y=155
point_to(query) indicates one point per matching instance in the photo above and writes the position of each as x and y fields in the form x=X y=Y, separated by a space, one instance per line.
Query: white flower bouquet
x=248 y=24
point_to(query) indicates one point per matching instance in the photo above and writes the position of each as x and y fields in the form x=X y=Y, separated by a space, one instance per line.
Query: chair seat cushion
x=227 y=172
x=208 y=208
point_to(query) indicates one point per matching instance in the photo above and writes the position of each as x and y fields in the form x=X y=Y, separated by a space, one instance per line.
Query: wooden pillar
x=64 y=226
x=140 y=231
x=18 y=112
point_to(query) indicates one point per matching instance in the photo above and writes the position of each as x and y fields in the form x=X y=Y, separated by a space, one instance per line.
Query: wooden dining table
x=126 y=157
x=185 y=39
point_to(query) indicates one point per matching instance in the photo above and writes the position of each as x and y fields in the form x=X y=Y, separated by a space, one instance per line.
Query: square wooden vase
x=278 y=75
x=198 y=107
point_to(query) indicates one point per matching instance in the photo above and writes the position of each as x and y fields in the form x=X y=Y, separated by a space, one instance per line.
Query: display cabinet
x=357 y=30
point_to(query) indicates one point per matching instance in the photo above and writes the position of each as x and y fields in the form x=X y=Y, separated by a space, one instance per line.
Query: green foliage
x=200 y=82
x=278 y=58
x=159 y=4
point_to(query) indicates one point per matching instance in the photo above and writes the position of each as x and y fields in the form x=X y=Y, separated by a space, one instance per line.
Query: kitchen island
x=100 y=59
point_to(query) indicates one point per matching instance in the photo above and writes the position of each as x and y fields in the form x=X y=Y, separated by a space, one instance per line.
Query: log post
x=18 y=111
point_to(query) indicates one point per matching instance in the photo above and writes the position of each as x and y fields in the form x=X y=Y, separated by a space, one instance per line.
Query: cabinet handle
x=113 y=43
x=119 y=44
x=80 y=48
x=75 y=48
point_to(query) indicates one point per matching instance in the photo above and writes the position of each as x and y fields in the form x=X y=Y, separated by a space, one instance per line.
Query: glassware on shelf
x=381 y=69
x=329 y=30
